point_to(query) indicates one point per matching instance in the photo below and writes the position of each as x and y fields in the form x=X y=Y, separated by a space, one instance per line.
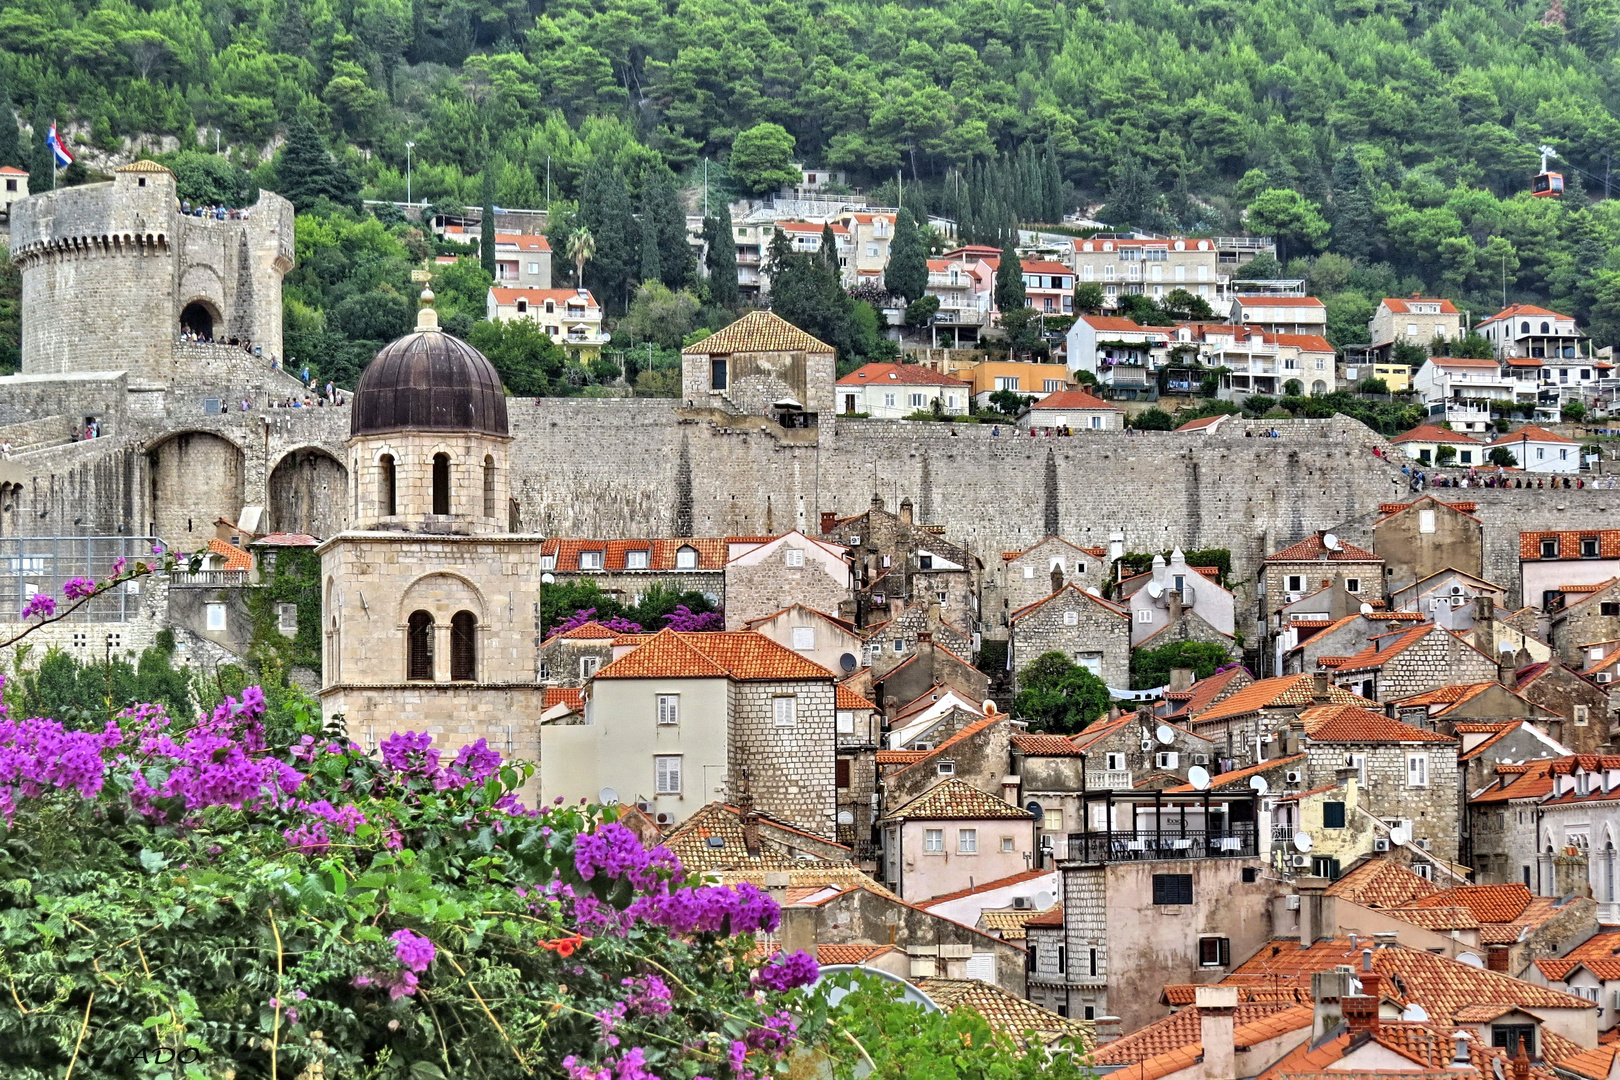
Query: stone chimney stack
x=1507 y=671
x=1216 y=1006
x=1181 y=678
x=1484 y=609
x=1328 y=991
x=798 y=931
x=1320 y=691
x=1174 y=596
x=905 y=512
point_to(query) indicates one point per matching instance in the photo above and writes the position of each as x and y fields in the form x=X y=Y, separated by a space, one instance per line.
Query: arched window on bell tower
x=441 y=484
x=419 y=647
x=386 y=487
x=489 y=485
x=464 y=647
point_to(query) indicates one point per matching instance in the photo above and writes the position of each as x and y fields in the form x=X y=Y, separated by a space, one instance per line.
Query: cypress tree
x=721 y=258
x=1352 y=208
x=907 y=273
x=486 y=224
x=674 y=250
x=605 y=209
x=829 y=251
x=652 y=263
x=11 y=151
x=1010 y=280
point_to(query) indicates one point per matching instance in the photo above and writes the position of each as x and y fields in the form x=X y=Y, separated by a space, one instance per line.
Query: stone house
x=573 y=656
x=855 y=773
x=1086 y=629
x=975 y=754
x=680 y=718
x=761 y=365
x=1162 y=596
x=1054 y=771
x=899 y=562
x=1425 y=536
x=1590 y=970
x=1584 y=614
x=1072 y=410
x=1448 y=597
x=1192 y=698
x=777 y=572
x=1314 y=563
x=627 y=569
x=747 y=838
x=1186 y=625
x=818 y=637
x=1408 y=774
x=895 y=391
x=928 y=667
x=1306 y=639
x=1554 y=825
x=1409 y=661
x=1584 y=722
x=1549 y=561
x=1023 y=577
x=890 y=644
x=953 y=832
x=1259 y=711
x=1416 y=320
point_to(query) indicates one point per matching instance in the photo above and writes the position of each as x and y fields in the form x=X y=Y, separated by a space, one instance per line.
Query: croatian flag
x=59 y=149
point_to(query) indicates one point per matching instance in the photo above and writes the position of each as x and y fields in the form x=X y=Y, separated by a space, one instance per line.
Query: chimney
x=1460 y=1058
x=905 y=511
x=1328 y=990
x=1521 y=1063
x=1507 y=672
x=750 y=827
x=798 y=930
x=1484 y=609
x=1216 y=1004
x=829 y=521
x=1174 y=596
x=877 y=501
x=776 y=886
x=1181 y=678
x=1320 y=693
x=1107 y=1029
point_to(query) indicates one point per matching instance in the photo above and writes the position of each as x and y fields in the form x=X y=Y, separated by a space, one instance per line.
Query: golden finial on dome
x=427 y=319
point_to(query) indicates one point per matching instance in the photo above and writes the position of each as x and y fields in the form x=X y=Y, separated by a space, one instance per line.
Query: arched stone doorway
x=308 y=493
x=193 y=478
x=199 y=318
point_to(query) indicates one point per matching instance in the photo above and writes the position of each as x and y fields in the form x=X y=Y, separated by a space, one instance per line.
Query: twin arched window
x=463 y=647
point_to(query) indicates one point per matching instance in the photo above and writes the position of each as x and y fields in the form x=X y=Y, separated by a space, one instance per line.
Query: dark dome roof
x=428 y=381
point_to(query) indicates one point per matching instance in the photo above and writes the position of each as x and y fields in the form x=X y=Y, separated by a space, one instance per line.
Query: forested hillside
x=1399 y=134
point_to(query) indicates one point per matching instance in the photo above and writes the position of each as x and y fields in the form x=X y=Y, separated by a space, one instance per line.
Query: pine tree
x=1010 y=280
x=308 y=171
x=907 y=273
x=652 y=263
x=486 y=224
x=11 y=151
x=1353 y=222
x=721 y=258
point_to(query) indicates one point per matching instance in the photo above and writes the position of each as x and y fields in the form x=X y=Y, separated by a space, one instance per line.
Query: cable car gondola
x=1547 y=185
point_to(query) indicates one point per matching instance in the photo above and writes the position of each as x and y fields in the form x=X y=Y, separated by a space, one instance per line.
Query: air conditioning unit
x=1381 y=844
x=1147 y=744
x=1423 y=842
x=1302 y=860
x=644 y=807
x=1291 y=901
x=664 y=818
x=1603 y=677
x=1293 y=777
x=1021 y=903
x=1200 y=759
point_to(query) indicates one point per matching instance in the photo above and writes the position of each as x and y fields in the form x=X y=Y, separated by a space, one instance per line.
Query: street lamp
x=409 y=146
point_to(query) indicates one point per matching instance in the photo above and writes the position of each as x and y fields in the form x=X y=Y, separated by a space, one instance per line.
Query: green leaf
x=152 y=861
x=340 y=882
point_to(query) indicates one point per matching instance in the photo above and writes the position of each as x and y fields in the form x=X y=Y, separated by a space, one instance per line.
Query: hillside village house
x=1315 y=562
x=895 y=391
x=964 y=302
x=1124 y=356
x=1414 y=321
x=1074 y=410
x=1461 y=391
x=1530 y=331
x=1171 y=591
x=1262 y=362
x=1048 y=286
x=1537 y=450
x=1548 y=561
x=1423 y=444
x=953 y=832
x=1151 y=266
x=522 y=260
x=869 y=236
x=570 y=317
x=1031 y=380
x=1280 y=314
x=15 y=184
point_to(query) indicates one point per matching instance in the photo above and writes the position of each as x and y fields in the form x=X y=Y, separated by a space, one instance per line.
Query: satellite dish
x=1259 y=785
x=1043 y=900
x=1331 y=542
x=1091 y=590
x=1036 y=810
x=847 y=661
x=1155 y=590
x=1198 y=777
x=1303 y=841
x=1366 y=609
x=1415 y=1012
x=1470 y=959
x=607 y=797
x=1400 y=836
x=1165 y=734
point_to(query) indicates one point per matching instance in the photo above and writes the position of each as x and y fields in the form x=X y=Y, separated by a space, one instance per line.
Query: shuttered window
x=669 y=708
x=667 y=774
x=1172 y=889
x=841 y=772
x=419 y=646
x=464 y=647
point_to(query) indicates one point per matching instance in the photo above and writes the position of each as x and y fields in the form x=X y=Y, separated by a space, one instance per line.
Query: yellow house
x=1037 y=380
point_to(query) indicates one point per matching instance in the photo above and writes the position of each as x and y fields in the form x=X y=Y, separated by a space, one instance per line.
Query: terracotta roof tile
x=235 y=558
x=1073 y=399
x=1045 y=745
x=1430 y=433
x=758 y=331
x=1381 y=883
x=1569 y=543
x=845 y=698
x=986 y=886
x=743 y=655
x=1354 y=724
x=1183 y=1030
x=572 y=696
x=589 y=631
x=1203 y=693
x=1531 y=433
x=1237 y=775
x=1007 y=1012
x=1009 y=925
x=1461 y=507
x=692 y=842
x=1313 y=549
x=1401 y=306
x=1489 y=903
x=1454 y=917
x=899 y=375
x=661 y=553
x=1282 y=692
x=955 y=800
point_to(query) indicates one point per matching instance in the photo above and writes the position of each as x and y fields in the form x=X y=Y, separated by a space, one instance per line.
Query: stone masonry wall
x=1097 y=630
x=790 y=769
x=1388 y=793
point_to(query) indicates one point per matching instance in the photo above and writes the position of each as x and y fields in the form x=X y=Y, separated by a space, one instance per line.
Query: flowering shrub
x=618 y=624
x=685 y=619
x=398 y=914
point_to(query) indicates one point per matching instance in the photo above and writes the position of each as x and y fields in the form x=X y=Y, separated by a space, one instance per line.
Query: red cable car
x=1547 y=185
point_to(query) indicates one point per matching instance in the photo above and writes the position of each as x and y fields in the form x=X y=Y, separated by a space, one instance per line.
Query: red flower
x=563 y=946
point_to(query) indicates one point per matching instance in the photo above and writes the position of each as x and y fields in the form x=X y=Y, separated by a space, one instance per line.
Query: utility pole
x=705 y=187
x=548 y=181
x=409 y=146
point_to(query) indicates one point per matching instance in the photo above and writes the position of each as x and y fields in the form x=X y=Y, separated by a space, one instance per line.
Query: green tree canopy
x=1057 y=695
x=1151 y=668
x=762 y=158
x=907 y=272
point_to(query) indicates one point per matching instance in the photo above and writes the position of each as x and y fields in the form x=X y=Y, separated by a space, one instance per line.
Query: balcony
x=1282 y=833
x=214 y=578
x=1236 y=842
x=1108 y=779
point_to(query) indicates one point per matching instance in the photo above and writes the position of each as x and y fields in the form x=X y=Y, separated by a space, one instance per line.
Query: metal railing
x=40 y=564
x=219 y=578
x=1236 y=842
x=1282 y=834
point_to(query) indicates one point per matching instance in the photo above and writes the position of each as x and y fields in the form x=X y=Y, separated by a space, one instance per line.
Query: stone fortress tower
x=112 y=272
x=430 y=607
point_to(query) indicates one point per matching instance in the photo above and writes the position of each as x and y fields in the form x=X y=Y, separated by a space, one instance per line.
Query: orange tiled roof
x=235 y=558
x=1236 y=775
x=1263 y=300
x=1569 y=543
x=1431 y=433
x=1468 y=508
x=1095 y=552
x=845 y=698
x=572 y=696
x=1045 y=745
x=1488 y=903
x=1281 y=692
x=1531 y=433
x=1381 y=883
x=899 y=375
x=1515 y=310
x=962 y=735
x=661 y=553
x=1204 y=692
x=1106 y=605
x=590 y=631
x=1400 y=306
x=1453 y=917
x=1355 y=724
x=1007 y=1012
x=956 y=799
x=1312 y=548
x=1073 y=399
x=738 y=654
x=758 y=331
x=1184 y=1029
x=1384 y=647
